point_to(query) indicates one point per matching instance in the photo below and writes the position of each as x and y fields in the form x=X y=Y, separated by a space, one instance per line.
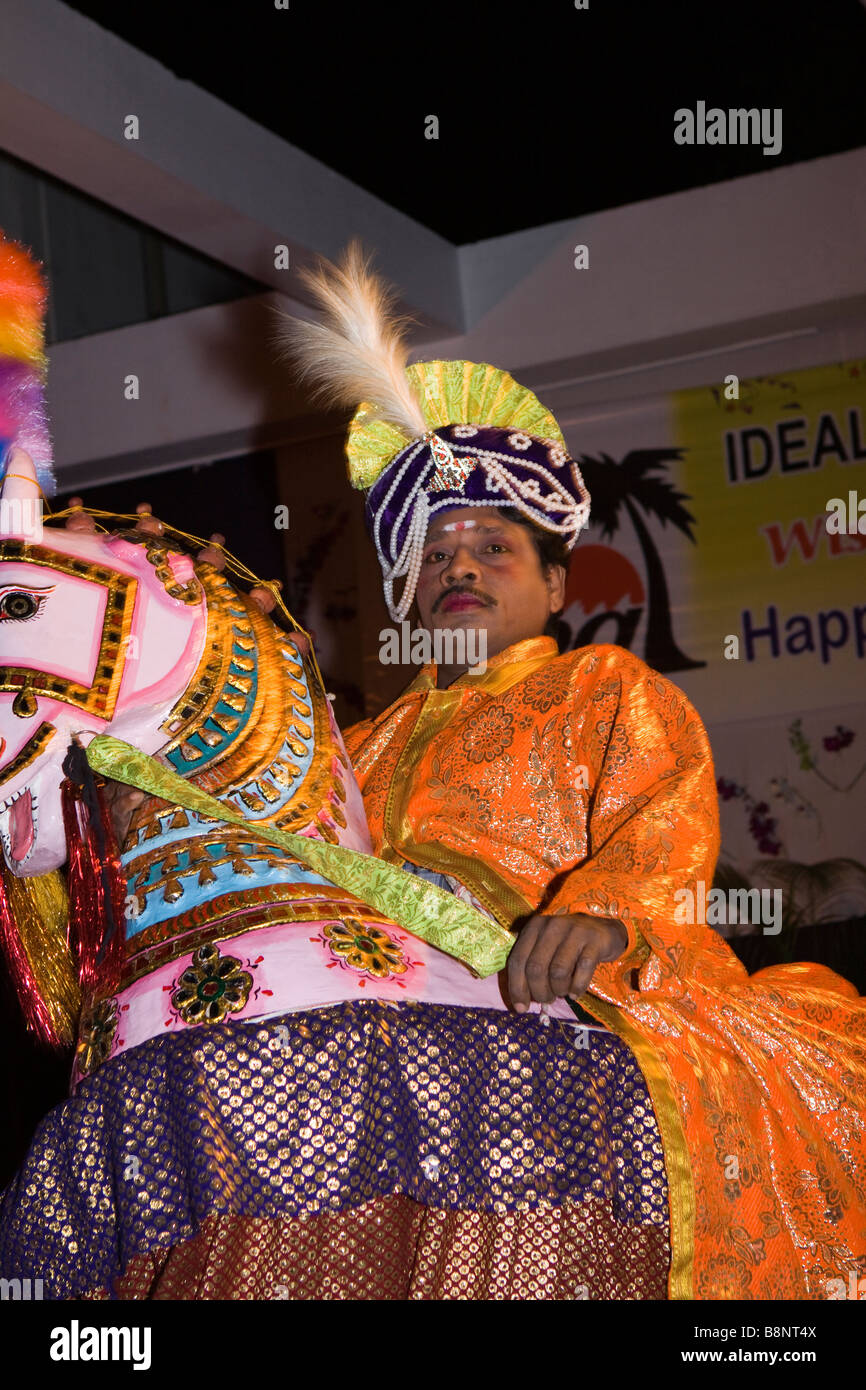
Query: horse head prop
x=95 y=631
x=125 y=633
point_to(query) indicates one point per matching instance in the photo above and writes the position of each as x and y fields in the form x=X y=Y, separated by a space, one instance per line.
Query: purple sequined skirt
x=324 y=1112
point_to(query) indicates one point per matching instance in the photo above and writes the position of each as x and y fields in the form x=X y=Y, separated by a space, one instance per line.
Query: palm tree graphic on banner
x=600 y=576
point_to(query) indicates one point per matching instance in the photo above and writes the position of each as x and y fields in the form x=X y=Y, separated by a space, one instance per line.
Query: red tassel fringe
x=97 y=892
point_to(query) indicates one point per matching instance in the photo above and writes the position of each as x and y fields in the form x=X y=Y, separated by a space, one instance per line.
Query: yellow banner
x=776 y=481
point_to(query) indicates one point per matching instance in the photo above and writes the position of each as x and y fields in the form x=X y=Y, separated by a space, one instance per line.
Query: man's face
x=479 y=570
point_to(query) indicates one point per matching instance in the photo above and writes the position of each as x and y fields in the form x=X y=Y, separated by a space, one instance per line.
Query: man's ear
x=556 y=576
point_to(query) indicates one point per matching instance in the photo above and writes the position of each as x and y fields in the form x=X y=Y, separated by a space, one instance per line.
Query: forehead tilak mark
x=438 y=530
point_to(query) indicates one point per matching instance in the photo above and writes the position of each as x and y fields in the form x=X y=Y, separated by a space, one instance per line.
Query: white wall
x=693 y=305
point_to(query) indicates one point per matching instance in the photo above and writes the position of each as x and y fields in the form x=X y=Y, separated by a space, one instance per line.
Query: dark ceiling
x=545 y=111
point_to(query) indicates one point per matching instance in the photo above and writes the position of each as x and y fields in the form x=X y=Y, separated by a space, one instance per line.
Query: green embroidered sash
x=423 y=909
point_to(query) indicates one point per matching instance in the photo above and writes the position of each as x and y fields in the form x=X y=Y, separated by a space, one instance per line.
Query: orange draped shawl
x=584 y=782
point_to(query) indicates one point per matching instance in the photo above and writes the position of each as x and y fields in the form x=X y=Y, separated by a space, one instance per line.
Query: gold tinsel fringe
x=40 y=906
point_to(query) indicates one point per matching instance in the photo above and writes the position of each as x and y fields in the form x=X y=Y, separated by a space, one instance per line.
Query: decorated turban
x=429 y=436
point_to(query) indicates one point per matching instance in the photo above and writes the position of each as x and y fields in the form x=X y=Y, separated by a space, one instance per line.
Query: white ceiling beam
x=209 y=386
x=200 y=171
x=711 y=261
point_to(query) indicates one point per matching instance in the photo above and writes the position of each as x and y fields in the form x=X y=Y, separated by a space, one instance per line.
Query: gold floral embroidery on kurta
x=487 y=735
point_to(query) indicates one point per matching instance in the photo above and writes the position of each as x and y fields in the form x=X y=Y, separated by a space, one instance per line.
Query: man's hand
x=557 y=956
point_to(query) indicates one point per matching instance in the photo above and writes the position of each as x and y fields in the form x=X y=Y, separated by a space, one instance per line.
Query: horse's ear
x=19 y=475
x=20 y=495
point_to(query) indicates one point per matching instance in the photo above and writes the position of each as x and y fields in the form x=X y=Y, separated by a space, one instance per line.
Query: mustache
x=474 y=593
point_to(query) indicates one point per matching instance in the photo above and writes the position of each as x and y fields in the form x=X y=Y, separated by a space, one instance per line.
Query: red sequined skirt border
x=396 y=1249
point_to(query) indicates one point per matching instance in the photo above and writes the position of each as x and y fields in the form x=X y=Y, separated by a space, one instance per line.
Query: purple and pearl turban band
x=468 y=466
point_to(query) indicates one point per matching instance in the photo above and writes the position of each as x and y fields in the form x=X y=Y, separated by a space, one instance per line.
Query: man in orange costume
x=573 y=795
x=755 y=1083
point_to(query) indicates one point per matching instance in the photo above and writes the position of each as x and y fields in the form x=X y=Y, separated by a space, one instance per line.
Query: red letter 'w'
x=781 y=549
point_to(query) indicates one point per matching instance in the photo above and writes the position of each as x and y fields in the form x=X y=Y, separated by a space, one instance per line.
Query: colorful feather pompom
x=23 y=415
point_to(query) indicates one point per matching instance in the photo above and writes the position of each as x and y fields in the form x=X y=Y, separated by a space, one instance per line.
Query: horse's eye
x=19 y=605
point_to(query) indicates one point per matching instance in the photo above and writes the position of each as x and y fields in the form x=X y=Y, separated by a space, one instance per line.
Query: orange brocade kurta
x=584 y=782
